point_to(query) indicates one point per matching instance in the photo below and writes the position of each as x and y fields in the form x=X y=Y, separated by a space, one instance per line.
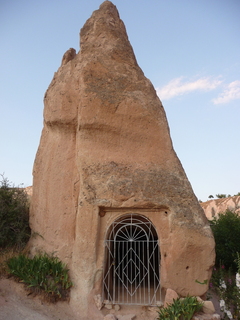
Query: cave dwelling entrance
x=132 y=262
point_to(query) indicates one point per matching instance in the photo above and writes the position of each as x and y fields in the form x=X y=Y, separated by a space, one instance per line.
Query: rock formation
x=105 y=154
x=213 y=208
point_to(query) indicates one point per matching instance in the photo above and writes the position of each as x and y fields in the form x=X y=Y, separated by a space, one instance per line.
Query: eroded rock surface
x=213 y=208
x=106 y=144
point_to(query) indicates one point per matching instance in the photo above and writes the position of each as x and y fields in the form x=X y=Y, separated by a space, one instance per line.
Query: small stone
x=98 y=301
x=108 y=306
x=106 y=301
x=199 y=300
x=117 y=307
x=208 y=307
x=170 y=295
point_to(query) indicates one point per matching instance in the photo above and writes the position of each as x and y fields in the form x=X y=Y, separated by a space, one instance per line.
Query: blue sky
x=189 y=49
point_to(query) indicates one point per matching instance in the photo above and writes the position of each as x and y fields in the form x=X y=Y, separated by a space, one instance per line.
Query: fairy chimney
x=110 y=196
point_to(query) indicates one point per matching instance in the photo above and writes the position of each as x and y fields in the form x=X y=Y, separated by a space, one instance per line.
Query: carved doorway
x=132 y=262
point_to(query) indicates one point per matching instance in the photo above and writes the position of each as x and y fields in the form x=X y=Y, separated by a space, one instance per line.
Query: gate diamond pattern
x=131 y=265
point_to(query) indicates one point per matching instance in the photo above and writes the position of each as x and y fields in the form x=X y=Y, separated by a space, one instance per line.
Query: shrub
x=42 y=274
x=227 y=286
x=14 y=215
x=182 y=309
x=226 y=230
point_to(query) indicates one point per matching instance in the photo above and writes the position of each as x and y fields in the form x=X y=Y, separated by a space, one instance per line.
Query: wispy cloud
x=178 y=87
x=231 y=92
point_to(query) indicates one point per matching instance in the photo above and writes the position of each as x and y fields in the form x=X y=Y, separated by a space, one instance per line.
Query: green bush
x=180 y=309
x=42 y=274
x=14 y=215
x=226 y=230
x=238 y=262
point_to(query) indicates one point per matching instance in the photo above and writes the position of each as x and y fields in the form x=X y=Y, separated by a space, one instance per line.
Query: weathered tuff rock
x=213 y=208
x=106 y=151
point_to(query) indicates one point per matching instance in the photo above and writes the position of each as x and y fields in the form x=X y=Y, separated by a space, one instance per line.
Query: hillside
x=213 y=207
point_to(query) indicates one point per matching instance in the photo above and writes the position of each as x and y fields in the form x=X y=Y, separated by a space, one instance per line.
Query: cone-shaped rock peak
x=106 y=154
x=105 y=30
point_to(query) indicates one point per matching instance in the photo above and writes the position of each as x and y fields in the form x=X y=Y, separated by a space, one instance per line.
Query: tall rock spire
x=105 y=152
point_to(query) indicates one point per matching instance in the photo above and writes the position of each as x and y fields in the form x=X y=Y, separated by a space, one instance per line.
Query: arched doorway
x=132 y=262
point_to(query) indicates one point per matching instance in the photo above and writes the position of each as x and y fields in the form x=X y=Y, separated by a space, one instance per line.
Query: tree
x=221 y=196
x=14 y=215
x=211 y=196
x=226 y=231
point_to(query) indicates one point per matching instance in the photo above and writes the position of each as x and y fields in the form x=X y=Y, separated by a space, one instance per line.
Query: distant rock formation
x=105 y=165
x=213 y=208
x=28 y=191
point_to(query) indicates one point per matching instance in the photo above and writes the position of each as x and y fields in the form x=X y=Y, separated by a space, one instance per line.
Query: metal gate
x=132 y=262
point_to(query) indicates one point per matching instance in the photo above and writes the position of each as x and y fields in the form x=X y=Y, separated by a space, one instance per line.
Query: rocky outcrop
x=28 y=191
x=105 y=152
x=213 y=208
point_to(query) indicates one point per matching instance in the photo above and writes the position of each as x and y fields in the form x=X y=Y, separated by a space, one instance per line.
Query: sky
x=189 y=49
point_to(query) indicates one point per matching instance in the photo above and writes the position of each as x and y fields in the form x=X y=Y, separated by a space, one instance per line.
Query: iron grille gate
x=132 y=262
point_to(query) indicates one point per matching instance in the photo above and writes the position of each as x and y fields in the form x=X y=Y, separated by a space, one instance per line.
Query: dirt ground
x=17 y=304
